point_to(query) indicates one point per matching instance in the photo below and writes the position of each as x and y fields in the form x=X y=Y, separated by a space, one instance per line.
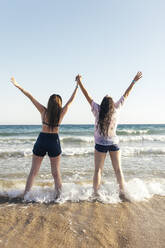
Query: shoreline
x=83 y=224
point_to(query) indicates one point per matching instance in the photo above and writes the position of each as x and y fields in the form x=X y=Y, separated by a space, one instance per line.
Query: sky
x=45 y=44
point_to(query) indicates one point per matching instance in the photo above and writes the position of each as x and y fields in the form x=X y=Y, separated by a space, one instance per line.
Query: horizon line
x=82 y=124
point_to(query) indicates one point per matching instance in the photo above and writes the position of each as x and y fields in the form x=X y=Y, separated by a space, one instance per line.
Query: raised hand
x=78 y=78
x=138 y=76
x=13 y=81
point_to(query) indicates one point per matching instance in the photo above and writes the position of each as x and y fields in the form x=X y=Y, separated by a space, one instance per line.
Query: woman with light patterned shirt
x=106 y=119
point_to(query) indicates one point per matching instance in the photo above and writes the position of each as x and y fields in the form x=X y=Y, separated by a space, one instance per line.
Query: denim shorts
x=105 y=149
x=47 y=143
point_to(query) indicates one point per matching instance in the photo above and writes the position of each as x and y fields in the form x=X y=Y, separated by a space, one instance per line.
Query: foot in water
x=123 y=197
x=57 y=195
x=95 y=197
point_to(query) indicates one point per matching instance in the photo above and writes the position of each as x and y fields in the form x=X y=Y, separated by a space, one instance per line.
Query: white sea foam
x=80 y=139
x=88 y=150
x=132 y=131
x=129 y=151
x=18 y=139
x=77 y=139
x=141 y=138
x=136 y=190
x=77 y=151
x=15 y=152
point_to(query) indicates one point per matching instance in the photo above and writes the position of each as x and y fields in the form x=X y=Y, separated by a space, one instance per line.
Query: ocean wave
x=16 y=134
x=128 y=138
x=132 y=131
x=138 y=131
x=16 y=141
x=128 y=151
x=5 y=141
x=80 y=151
x=28 y=152
x=77 y=151
x=135 y=190
x=77 y=139
x=141 y=138
x=15 y=153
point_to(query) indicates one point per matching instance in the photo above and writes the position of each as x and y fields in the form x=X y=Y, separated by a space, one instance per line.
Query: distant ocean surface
x=143 y=163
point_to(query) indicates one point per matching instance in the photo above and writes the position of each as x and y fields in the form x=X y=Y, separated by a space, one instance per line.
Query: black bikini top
x=47 y=124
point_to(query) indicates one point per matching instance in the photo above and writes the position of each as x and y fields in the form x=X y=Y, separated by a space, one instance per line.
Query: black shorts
x=105 y=149
x=47 y=143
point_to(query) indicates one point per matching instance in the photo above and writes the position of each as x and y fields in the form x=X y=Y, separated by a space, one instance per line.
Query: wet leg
x=116 y=162
x=55 y=169
x=99 y=164
x=36 y=163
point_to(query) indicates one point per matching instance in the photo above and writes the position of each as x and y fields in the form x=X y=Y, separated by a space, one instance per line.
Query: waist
x=44 y=134
x=47 y=124
x=101 y=140
x=46 y=129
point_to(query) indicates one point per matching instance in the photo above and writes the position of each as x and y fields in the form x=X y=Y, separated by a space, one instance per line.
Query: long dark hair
x=106 y=110
x=53 y=110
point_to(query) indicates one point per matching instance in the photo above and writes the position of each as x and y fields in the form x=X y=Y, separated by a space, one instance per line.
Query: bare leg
x=116 y=162
x=99 y=164
x=36 y=163
x=55 y=168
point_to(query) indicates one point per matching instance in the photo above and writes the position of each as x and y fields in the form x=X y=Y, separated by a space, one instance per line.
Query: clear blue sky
x=44 y=44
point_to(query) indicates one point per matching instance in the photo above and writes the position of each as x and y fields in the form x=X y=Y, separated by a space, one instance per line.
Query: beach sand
x=83 y=224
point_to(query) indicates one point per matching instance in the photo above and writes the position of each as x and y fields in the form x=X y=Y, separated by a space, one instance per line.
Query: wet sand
x=82 y=225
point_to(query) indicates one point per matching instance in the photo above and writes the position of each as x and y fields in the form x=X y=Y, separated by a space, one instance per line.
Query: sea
x=142 y=158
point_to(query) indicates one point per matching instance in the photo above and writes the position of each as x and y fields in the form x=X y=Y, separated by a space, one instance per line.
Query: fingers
x=78 y=77
x=12 y=79
x=139 y=74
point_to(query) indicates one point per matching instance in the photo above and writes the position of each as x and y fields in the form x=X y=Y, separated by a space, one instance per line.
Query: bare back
x=45 y=125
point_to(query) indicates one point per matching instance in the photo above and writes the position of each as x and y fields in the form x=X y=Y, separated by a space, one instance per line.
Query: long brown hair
x=106 y=110
x=53 y=110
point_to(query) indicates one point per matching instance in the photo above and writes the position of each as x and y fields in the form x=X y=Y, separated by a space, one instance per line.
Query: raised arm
x=67 y=105
x=136 y=78
x=84 y=91
x=39 y=106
